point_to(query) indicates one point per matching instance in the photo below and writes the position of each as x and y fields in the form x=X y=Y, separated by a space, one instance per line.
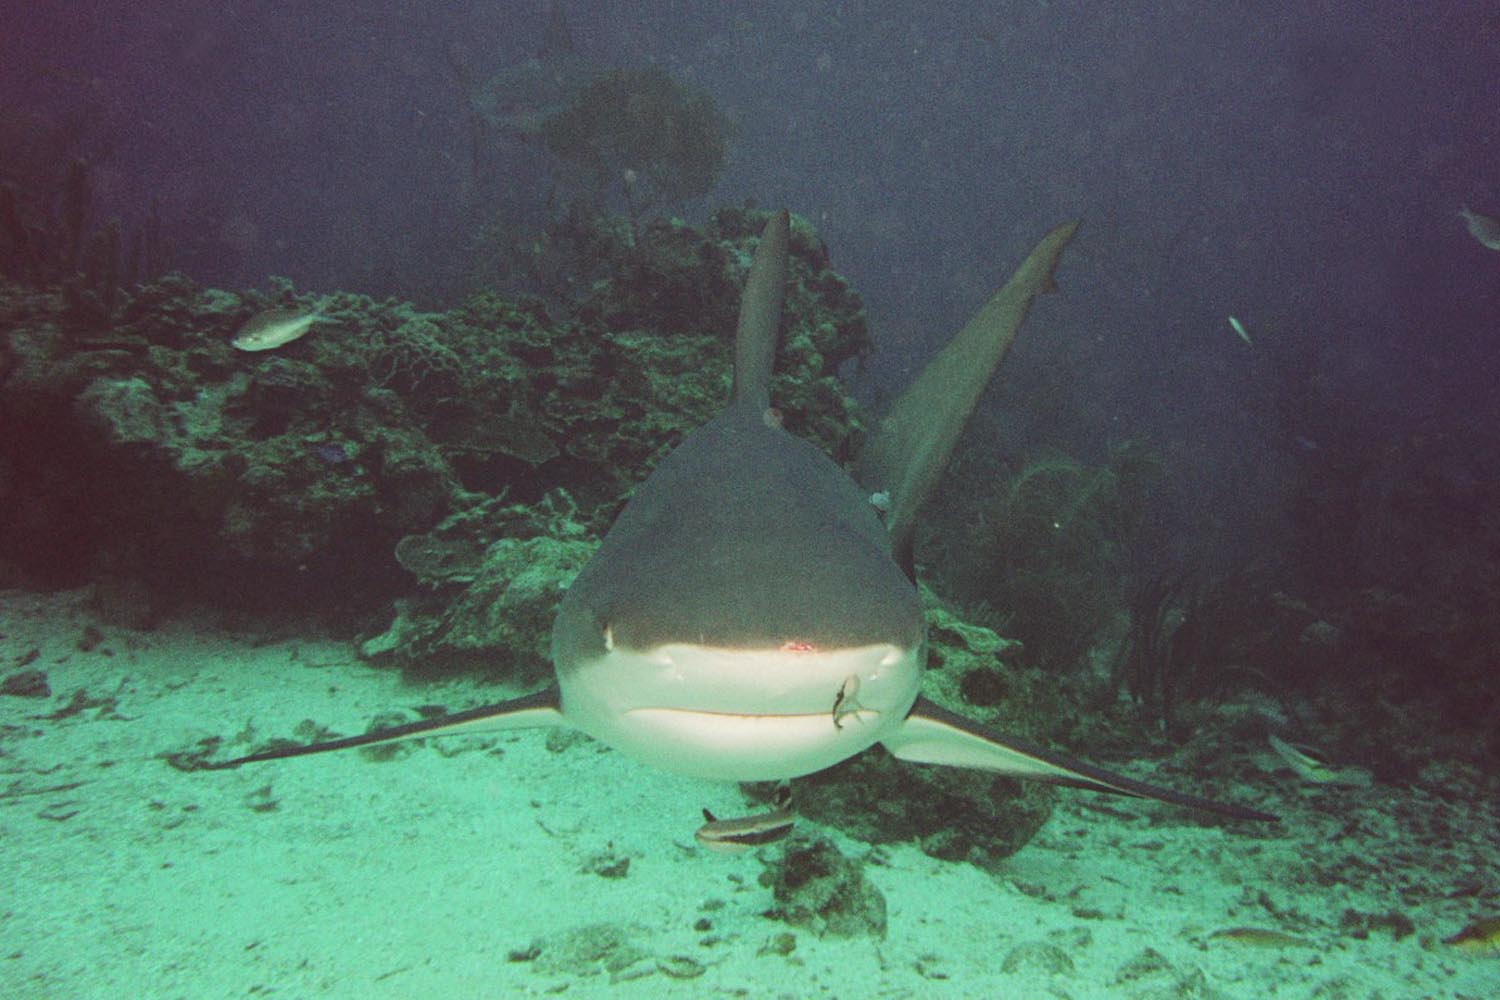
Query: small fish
x=845 y=700
x=731 y=836
x=1315 y=769
x=1483 y=228
x=1260 y=937
x=1482 y=937
x=1240 y=331
x=332 y=453
x=273 y=328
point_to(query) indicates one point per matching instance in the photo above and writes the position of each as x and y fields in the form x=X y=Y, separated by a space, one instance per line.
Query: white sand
x=420 y=876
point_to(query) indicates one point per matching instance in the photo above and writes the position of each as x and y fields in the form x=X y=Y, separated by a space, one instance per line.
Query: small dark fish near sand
x=274 y=327
x=730 y=836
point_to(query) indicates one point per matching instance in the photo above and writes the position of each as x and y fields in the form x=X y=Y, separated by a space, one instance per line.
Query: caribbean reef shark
x=752 y=615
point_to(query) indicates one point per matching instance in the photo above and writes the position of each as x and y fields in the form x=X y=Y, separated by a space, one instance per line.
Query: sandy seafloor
x=433 y=874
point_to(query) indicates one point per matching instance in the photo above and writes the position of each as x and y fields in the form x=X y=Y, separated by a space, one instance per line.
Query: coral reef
x=816 y=887
x=50 y=231
x=150 y=450
x=1047 y=561
x=500 y=621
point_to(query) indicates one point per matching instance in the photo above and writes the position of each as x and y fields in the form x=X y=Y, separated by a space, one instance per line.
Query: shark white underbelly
x=744 y=714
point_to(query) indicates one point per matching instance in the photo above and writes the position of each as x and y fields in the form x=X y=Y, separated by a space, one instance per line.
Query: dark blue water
x=1300 y=166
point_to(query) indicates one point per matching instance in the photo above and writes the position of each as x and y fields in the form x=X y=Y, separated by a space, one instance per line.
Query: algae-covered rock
x=453 y=552
x=1034 y=958
x=816 y=887
x=977 y=639
x=951 y=813
x=500 y=621
x=592 y=950
x=494 y=573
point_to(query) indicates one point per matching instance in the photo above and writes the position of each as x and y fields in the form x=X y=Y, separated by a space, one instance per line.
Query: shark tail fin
x=913 y=443
x=540 y=709
x=934 y=735
x=760 y=315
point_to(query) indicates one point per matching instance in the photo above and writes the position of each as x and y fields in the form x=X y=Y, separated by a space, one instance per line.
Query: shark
x=517 y=100
x=753 y=612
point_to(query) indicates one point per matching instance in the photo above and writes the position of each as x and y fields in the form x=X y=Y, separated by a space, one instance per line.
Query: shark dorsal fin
x=913 y=443
x=760 y=316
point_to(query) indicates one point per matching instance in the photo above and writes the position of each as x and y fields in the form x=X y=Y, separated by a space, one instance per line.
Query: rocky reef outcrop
x=141 y=446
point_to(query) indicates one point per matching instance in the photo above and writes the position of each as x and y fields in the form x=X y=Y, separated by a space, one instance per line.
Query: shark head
x=743 y=602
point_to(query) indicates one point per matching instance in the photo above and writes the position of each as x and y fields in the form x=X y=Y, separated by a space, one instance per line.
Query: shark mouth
x=743 y=715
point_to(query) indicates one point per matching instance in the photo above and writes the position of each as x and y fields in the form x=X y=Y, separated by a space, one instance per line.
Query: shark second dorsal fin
x=760 y=316
x=913 y=443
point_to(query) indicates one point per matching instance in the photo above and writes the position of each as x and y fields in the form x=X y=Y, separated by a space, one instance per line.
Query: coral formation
x=1047 y=562
x=50 y=230
x=150 y=450
x=818 y=888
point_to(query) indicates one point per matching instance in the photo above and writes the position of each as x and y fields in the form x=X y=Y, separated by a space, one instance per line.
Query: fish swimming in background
x=1240 y=331
x=1311 y=767
x=1260 y=937
x=1483 y=228
x=272 y=328
x=1482 y=937
x=332 y=454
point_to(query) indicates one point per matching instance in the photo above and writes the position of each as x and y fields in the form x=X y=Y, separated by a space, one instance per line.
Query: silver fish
x=1483 y=228
x=273 y=328
x=1311 y=767
x=1240 y=331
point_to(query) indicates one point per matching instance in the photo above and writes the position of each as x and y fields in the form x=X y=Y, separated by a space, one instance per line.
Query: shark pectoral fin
x=540 y=709
x=934 y=735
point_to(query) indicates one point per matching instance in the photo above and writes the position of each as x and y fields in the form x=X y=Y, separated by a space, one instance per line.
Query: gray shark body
x=752 y=615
